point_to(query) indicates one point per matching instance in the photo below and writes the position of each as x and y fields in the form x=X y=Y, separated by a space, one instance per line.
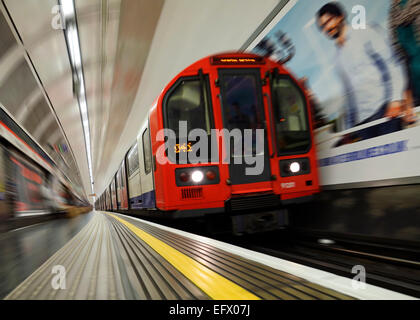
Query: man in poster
x=374 y=83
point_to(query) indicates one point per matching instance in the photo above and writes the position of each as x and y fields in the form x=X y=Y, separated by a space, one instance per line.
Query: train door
x=133 y=178
x=113 y=194
x=122 y=187
x=147 y=183
x=108 y=199
x=243 y=109
x=107 y=202
x=118 y=188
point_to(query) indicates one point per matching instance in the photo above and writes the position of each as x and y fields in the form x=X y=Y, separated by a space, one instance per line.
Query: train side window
x=290 y=115
x=118 y=178
x=147 y=151
x=133 y=160
x=123 y=175
x=114 y=191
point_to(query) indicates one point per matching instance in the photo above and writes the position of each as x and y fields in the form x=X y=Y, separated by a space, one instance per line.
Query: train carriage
x=223 y=97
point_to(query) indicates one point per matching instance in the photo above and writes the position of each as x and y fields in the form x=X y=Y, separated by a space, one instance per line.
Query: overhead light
x=326 y=241
x=73 y=44
x=67 y=8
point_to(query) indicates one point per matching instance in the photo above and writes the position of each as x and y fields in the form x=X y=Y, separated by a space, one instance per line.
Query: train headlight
x=294 y=167
x=197 y=176
x=194 y=176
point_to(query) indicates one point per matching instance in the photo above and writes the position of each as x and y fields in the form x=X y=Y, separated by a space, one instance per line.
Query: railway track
x=391 y=265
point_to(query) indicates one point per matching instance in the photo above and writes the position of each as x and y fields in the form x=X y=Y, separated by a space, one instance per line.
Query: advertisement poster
x=364 y=92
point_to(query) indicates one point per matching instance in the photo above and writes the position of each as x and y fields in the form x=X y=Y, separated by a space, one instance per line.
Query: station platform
x=119 y=257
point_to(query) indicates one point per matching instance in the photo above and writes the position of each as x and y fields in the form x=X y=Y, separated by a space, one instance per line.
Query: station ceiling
x=130 y=50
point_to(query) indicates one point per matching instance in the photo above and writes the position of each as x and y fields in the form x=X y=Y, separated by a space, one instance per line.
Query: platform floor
x=25 y=249
x=119 y=257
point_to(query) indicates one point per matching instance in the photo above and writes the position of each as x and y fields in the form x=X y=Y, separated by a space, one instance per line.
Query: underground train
x=30 y=183
x=231 y=134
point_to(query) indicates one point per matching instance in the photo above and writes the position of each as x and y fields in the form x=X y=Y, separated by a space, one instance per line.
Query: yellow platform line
x=210 y=282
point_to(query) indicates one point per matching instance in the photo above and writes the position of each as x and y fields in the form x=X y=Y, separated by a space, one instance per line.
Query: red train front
x=265 y=156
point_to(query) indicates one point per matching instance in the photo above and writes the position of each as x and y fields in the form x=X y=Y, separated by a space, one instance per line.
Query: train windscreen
x=188 y=102
x=290 y=115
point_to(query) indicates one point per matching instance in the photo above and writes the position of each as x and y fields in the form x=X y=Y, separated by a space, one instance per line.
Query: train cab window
x=147 y=152
x=133 y=160
x=290 y=115
x=188 y=101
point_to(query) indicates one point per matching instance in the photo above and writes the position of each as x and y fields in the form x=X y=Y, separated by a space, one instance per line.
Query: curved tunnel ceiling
x=130 y=50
